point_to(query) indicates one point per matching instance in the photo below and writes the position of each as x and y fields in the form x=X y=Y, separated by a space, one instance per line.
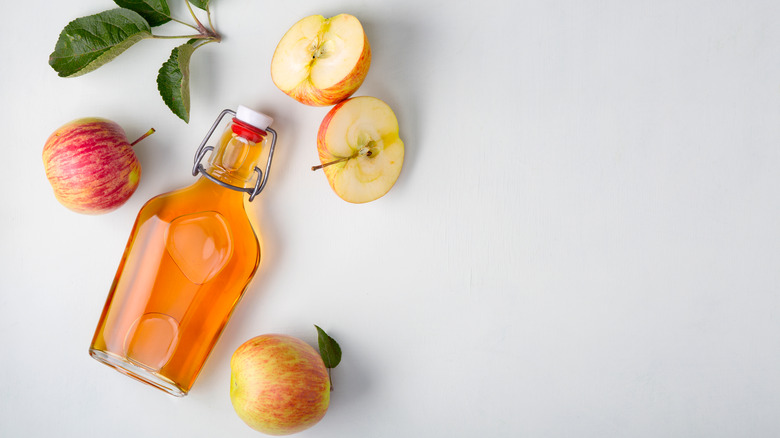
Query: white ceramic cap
x=254 y=118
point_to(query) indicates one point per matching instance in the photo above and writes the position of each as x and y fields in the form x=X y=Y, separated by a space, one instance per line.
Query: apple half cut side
x=322 y=61
x=360 y=149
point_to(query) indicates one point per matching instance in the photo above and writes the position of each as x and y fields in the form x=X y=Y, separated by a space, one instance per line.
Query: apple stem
x=148 y=133
x=328 y=164
x=331 y=380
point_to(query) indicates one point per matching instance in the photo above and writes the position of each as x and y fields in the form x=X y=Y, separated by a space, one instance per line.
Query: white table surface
x=584 y=240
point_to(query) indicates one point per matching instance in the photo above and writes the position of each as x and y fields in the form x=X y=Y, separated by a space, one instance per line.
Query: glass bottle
x=188 y=261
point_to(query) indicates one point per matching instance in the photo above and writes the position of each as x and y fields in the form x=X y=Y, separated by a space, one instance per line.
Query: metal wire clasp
x=262 y=178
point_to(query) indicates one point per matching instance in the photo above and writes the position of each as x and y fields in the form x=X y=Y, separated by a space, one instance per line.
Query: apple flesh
x=360 y=149
x=91 y=166
x=278 y=384
x=322 y=61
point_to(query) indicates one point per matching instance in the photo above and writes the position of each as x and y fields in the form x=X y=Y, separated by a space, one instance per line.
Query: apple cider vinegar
x=189 y=259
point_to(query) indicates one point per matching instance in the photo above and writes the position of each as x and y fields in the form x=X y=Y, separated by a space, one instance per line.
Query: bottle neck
x=236 y=155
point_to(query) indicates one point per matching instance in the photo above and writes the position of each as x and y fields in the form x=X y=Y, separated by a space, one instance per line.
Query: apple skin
x=279 y=384
x=305 y=92
x=91 y=166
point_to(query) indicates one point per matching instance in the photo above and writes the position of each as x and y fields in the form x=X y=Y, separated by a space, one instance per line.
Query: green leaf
x=202 y=4
x=87 y=43
x=329 y=349
x=156 y=12
x=173 y=81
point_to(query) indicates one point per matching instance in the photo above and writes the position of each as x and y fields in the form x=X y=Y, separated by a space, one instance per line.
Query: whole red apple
x=91 y=166
x=279 y=384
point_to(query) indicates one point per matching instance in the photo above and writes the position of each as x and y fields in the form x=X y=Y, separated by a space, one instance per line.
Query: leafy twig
x=113 y=31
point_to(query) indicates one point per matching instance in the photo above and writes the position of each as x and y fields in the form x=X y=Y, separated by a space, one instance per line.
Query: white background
x=584 y=240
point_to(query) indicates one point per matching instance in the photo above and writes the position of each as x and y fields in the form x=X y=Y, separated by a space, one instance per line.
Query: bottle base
x=130 y=369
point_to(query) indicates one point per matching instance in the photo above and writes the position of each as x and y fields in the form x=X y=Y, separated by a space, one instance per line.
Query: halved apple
x=360 y=150
x=322 y=61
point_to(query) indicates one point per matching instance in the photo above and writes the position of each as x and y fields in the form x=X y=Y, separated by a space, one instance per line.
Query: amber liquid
x=189 y=259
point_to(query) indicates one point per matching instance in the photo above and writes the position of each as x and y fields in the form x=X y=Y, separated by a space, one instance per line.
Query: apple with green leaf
x=360 y=149
x=321 y=61
x=91 y=165
x=279 y=384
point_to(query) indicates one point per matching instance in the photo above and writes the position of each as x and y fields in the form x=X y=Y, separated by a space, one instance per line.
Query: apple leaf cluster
x=90 y=42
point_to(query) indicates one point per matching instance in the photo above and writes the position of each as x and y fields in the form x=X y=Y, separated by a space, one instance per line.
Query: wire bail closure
x=262 y=178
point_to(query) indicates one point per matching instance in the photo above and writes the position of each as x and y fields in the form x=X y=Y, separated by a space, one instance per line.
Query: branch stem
x=208 y=14
x=183 y=22
x=198 y=36
x=195 y=17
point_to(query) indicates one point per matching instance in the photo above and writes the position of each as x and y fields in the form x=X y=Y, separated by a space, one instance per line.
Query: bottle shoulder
x=200 y=197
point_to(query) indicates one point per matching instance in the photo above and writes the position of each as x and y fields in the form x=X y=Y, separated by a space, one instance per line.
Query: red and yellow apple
x=279 y=384
x=91 y=166
x=322 y=61
x=360 y=149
